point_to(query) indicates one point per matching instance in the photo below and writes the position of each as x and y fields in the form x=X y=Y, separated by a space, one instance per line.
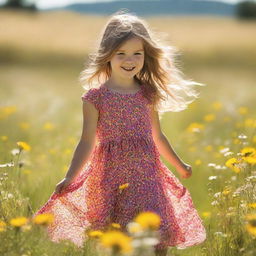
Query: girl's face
x=128 y=60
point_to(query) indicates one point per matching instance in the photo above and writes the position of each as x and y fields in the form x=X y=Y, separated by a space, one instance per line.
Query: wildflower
x=242 y=136
x=134 y=228
x=208 y=148
x=233 y=164
x=220 y=234
x=4 y=138
x=195 y=127
x=242 y=110
x=217 y=105
x=95 y=233
x=248 y=151
x=249 y=122
x=48 y=126
x=226 y=190
x=15 y=151
x=115 y=225
x=192 y=149
x=2 y=226
x=7 y=111
x=24 y=125
x=148 y=220
x=123 y=186
x=249 y=155
x=146 y=241
x=212 y=178
x=198 y=162
x=206 y=214
x=209 y=117
x=23 y=145
x=117 y=241
x=43 y=219
x=27 y=172
x=19 y=221
x=251 y=223
x=7 y=165
x=252 y=205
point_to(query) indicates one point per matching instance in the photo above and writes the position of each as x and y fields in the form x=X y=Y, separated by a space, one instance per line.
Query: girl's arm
x=87 y=140
x=163 y=145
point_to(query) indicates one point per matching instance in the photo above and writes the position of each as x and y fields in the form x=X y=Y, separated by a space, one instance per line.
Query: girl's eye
x=123 y=53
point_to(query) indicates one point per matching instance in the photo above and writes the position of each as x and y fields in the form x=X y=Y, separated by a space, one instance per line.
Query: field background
x=41 y=56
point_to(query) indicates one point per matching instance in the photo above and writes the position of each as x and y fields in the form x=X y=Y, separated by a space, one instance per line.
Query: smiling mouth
x=128 y=69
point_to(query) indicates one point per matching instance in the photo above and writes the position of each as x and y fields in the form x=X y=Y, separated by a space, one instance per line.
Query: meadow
x=41 y=56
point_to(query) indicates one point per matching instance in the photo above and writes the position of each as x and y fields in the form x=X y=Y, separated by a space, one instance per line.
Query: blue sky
x=55 y=3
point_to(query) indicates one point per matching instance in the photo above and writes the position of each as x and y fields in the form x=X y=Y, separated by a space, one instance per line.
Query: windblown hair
x=165 y=86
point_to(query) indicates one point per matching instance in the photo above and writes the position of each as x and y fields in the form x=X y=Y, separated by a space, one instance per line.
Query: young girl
x=121 y=142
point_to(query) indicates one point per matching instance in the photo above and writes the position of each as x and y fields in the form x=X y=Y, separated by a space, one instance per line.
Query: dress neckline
x=120 y=93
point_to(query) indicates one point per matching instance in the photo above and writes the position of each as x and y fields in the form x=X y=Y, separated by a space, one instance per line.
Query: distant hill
x=153 y=7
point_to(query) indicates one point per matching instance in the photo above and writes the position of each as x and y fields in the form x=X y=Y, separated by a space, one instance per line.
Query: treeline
x=244 y=10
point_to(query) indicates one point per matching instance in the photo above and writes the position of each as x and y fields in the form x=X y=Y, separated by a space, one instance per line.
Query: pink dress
x=124 y=153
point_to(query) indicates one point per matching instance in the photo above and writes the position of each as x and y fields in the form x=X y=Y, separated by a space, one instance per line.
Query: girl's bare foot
x=161 y=252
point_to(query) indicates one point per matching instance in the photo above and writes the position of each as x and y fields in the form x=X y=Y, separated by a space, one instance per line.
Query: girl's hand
x=185 y=171
x=62 y=185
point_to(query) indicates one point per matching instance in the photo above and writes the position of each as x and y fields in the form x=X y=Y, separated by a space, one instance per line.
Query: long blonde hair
x=165 y=88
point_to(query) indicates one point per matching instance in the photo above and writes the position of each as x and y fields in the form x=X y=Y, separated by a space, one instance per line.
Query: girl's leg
x=161 y=252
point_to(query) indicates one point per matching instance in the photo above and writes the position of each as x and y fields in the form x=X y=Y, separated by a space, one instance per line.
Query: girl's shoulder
x=93 y=95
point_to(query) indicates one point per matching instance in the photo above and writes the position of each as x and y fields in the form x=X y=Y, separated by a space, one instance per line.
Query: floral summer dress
x=124 y=153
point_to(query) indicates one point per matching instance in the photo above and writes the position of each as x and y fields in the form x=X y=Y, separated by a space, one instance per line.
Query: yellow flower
x=26 y=228
x=198 y=162
x=24 y=125
x=209 y=117
x=67 y=151
x=192 y=149
x=48 y=126
x=251 y=223
x=195 y=127
x=217 y=105
x=208 y=148
x=248 y=151
x=206 y=214
x=226 y=191
x=243 y=110
x=252 y=205
x=2 y=226
x=115 y=225
x=19 y=221
x=232 y=163
x=123 y=186
x=236 y=141
x=250 y=160
x=4 y=138
x=117 y=241
x=249 y=122
x=95 y=233
x=27 y=172
x=43 y=219
x=53 y=151
x=249 y=155
x=6 y=111
x=148 y=220
x=134 y=227
x=23 y=145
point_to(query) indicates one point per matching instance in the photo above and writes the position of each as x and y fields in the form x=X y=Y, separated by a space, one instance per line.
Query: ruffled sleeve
x=93 y=97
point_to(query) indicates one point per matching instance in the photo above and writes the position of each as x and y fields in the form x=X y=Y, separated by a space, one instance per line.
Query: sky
x=42 y=4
